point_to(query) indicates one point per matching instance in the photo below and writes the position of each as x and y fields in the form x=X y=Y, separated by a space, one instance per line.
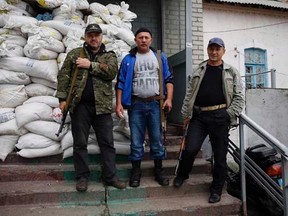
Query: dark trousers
x=216 y=125
x=83 y=117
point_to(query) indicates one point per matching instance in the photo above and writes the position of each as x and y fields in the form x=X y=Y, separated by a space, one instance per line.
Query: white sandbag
x=63 y=26
x=44 y=82
x=63 y=10
x=68 y=152
x=23 y=6
x=42 y=31
x=49 y=43
x=67 y=140
x=120 y=137
x=113 y=9
x=31 y=112
x=35 y=89
x=41 y=152
x=93 y=149
x=12 y=77
x=46 y=69
x=10 y=50
x=49 y=100
x=125 y=14
x=14 y=21
x=39 y=53
x=13 y=39
x=11 y=128
x=12 y=10
x=12 y=32
x=98 y=9
x=34 y=141
x=60 y=60
x=126 y=35
x=12 y=95
x=122 y=148
x=94 y=19
x=5 y=110
x=7 y=144
x=6 y=116
x=73 y=39
x=49 y=4
x=46 y=128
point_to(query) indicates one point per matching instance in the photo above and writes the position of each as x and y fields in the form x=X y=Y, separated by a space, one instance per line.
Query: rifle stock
x=182 y=146
x=63 y=119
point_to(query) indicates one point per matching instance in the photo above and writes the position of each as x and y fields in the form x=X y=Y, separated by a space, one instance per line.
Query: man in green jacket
x=91 y=104
x=214 y=98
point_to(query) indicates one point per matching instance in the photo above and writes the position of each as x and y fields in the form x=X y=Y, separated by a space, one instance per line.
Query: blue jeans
x=142 y=116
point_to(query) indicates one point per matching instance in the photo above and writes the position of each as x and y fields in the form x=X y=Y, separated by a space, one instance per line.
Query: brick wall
x=174 y=28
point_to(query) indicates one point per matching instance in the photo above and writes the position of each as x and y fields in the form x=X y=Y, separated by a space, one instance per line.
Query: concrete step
x=195 y=205
x=65 y=171
x=63 y=193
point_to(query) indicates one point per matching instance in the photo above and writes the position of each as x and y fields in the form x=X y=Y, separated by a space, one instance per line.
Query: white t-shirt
x=146 y=78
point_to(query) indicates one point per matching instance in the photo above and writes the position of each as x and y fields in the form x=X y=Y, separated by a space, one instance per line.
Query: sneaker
x=117 y=184
x=82 y=184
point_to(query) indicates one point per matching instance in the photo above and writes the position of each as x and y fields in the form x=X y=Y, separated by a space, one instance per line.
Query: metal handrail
x=244 y=164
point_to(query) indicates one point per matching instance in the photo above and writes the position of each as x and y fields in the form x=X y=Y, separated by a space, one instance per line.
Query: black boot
x=135 y=174
x=159 y=173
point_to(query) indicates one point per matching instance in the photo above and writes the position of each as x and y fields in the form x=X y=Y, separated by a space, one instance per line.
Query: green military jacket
x=101 y=77
x=232 y=89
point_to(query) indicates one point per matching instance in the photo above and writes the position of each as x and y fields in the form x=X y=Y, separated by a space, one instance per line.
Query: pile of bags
x=32 y=50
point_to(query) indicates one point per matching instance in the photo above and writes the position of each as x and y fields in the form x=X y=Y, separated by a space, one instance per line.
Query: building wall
x=174 y=28
x=267 y=107
x=243 y=28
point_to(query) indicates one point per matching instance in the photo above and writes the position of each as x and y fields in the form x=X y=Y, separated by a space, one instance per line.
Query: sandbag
x=31 y=112
x=41 y=152
x=34 y=141
x=7 y=144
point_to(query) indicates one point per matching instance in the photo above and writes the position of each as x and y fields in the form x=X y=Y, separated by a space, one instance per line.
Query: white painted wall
x=241 y=30
x=268 y=108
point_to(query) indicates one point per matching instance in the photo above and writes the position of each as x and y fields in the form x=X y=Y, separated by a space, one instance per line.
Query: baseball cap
x=143 y=30
x=93 y=28
x=217 y=41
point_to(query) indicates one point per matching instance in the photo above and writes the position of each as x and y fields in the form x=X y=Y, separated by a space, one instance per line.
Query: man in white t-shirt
x=137 y=89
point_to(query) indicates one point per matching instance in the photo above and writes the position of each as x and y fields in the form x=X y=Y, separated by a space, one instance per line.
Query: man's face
x=94 y=39
x=143 y=41
x=215 y=53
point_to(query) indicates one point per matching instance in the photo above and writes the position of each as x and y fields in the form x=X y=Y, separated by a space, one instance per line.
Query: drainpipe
x=188 y=37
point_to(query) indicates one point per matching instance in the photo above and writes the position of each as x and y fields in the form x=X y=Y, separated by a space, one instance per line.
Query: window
x=255 y=68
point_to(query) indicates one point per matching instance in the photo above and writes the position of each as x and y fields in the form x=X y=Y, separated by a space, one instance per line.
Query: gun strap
x=82 y=55
x=160 y=74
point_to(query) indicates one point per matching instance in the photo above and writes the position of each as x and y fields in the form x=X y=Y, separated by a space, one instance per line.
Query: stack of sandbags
x=31 y=55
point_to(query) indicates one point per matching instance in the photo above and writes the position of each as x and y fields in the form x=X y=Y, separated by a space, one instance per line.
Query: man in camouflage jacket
x=91 y=104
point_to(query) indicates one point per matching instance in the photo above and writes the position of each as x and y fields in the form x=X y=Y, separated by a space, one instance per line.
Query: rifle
x=68 y=100
x=162 y=98
x=182 y=146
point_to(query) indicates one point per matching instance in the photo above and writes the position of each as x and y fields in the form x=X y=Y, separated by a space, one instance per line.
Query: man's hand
x=83 y=63
x=62 y=106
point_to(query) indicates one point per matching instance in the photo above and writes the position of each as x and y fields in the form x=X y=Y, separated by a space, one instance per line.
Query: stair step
x=195 y=205
x=63 y=171
x=64 y=192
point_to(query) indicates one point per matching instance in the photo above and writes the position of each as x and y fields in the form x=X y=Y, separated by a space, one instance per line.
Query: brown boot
x=82 y=184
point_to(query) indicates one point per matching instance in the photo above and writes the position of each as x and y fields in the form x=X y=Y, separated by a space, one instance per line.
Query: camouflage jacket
x=102 y=79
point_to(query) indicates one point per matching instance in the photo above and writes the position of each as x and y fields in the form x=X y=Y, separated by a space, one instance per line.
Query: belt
x=148 y=99
x=210 y=108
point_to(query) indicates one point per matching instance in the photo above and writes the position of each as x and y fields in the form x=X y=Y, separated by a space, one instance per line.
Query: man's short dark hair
x=142 y=29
